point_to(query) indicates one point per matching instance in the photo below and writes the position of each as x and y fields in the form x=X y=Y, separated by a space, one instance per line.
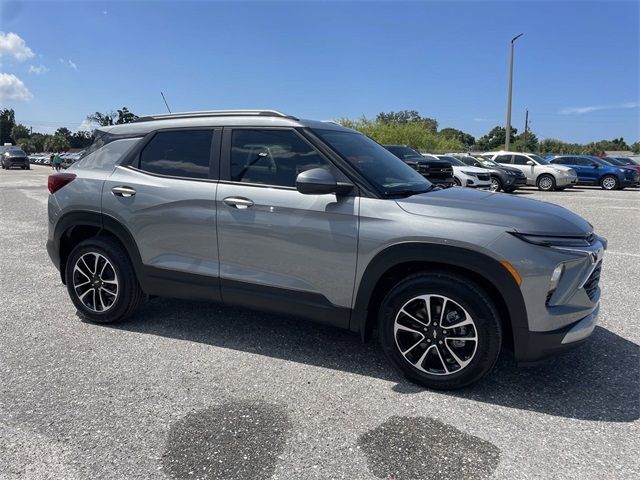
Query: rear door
x=279 y=249
x=165 y=197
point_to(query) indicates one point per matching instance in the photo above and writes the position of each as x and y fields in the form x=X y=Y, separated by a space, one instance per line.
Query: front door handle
x=240 y=203
x=123 y=191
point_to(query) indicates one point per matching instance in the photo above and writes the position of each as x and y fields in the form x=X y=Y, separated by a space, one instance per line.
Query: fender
x=443 y=255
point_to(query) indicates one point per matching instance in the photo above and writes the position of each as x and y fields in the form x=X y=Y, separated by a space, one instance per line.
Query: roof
x=217 y=118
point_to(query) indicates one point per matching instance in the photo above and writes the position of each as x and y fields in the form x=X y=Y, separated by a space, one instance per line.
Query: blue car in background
x=596 y=171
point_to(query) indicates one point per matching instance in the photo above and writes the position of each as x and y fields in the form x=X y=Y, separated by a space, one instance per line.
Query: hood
x=468 y=168
x=563 y=168
x=519 y=214
x=428 y=161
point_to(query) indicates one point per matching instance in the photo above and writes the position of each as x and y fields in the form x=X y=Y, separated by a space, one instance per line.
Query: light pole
x=508 y=128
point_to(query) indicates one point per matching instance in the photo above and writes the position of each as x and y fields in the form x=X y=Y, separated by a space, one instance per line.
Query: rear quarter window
x=106 y=157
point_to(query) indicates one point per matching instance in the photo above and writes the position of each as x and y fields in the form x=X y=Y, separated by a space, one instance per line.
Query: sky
x=576 y=67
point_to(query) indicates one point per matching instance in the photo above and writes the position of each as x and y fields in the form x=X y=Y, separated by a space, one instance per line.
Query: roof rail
x=216 y=113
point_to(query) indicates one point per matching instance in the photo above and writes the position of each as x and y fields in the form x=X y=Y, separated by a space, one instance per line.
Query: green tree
x=407 y=116
x=409 y=133
x=19 y=131
x=26 y=145
x=495 y=139
x=80 y=139
x=125 y=116
x=113 y=118
x=464 y=138
x=530 y=144
x=37 y=140
x=635 y=147
x=64 y=132
x=56 y=143
x=7 y=122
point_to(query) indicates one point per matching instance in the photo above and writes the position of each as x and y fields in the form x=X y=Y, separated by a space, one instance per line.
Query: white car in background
x=467 y=176
x=539 y=172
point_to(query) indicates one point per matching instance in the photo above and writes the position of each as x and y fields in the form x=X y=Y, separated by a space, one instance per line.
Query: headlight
x=471 y=174
x=553 y=241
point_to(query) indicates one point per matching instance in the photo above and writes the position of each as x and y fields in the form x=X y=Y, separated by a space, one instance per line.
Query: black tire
x=457 y=182
x=510 y=190
x=497 y=184
x=28 y=167
x=466 y=294
x=546 y=182
x=129 y=294
x=609 y=182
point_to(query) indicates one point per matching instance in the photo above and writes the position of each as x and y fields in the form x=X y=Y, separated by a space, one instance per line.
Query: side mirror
x=320 y=181
x=530 y=162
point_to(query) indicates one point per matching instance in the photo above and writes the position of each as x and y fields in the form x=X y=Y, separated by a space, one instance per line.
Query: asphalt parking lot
x=196 y=390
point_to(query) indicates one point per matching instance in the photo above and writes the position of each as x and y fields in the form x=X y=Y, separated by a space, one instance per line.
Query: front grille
x=591 y=286
x=436 y=171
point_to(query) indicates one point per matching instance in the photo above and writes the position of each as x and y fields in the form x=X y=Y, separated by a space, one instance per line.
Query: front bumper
x=566 y=181
x=535 y=347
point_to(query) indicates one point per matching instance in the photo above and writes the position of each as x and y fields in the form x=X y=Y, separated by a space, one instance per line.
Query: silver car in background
x=261 y=209
x=539 y=172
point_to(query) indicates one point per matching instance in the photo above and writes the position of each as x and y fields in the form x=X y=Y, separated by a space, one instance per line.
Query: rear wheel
x=101 y=281
x=609 y=182
x=440 y=330
x=546 y=182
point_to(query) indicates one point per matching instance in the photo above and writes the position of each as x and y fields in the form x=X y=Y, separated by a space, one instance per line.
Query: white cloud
x=13 y=45
x=595 y=108
x=12 y=88
x=38 y=70
x=69 y=63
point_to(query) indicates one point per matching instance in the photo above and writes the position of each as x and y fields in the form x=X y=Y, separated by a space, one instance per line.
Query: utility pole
x=526 y=126
x=508 y=127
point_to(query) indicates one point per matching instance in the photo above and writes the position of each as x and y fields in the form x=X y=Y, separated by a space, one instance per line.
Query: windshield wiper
x=407 y=192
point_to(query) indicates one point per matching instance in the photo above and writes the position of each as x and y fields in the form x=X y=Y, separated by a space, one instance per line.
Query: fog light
x=555 y=276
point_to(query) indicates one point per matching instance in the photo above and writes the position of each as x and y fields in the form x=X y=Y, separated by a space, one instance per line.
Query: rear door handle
x=240 y=203
x=123 y=191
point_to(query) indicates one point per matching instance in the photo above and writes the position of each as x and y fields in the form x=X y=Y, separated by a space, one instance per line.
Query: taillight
x=59 y=180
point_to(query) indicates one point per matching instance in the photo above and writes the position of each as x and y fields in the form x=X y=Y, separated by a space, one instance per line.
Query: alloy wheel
x=95 y=282
x=609 y=183
x=546 y=183
x=495 y=184
x=435 y=334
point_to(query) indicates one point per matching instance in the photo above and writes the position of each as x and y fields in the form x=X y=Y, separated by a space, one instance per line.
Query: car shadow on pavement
x=600 y=380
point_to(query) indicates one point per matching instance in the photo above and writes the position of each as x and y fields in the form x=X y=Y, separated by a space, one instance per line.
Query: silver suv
x=261 y=209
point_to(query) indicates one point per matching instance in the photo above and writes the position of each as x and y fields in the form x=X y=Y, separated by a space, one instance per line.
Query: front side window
x=179 y=153
x=386 y=172
x=271 y=157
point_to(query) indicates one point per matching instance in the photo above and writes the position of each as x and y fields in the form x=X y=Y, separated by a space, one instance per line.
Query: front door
x=279 y=249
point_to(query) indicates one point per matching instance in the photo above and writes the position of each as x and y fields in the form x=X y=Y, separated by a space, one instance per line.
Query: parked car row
x=507 y=171
x=68 y=158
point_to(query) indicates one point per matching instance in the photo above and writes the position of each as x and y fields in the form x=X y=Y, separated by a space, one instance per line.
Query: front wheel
x=440 y=330
x=101 y=281
x=457 y=182
x=609 y=182
x=496 y=184
x=546 y=183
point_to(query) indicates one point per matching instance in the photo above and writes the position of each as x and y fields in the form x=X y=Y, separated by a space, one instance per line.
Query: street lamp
x=508 y=129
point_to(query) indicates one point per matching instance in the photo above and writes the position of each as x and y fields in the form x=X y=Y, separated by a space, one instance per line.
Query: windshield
x=540 y=160
x=453 y=160
x=603 y=161
x=488 y=163
x=403 y=152
x=15 y=151
x=386 y=172
x=614 y=161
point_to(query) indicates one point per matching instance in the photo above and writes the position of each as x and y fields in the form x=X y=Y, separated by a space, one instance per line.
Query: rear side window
x=503 y=159
x=520 y=159
x=271 y=157
x=180 y=153
x=105 y=157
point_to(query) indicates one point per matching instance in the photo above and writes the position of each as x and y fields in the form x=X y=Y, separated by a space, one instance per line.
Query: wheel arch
x=397 y=261
x=77 y=226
